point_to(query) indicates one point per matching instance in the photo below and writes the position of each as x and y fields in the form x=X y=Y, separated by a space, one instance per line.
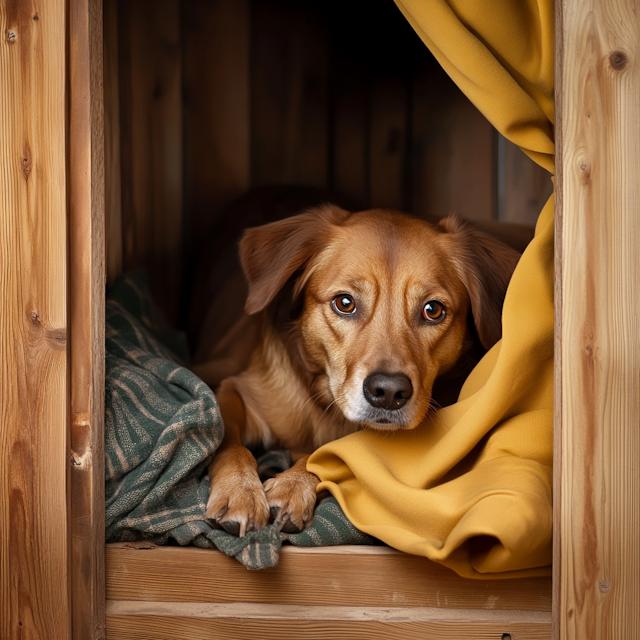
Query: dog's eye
x=433 y=311
x=344 y=304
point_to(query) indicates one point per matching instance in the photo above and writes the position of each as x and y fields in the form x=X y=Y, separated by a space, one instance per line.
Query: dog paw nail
x=213 y=523
x=289 y=527
x=231 y=526
x=273 y=513
x=221 y=512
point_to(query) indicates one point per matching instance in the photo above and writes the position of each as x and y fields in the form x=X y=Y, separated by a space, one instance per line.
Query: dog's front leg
x=237 y=501
x=292 y=496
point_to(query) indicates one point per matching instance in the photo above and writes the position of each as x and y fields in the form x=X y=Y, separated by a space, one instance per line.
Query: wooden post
x=86 y=317
x=597 y=447
x=34 y=407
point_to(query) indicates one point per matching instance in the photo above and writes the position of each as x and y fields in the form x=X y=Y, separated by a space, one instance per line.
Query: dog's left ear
x=485 y=266
x=272 y=253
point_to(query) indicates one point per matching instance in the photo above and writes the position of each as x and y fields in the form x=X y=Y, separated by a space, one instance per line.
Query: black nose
x=387 y=390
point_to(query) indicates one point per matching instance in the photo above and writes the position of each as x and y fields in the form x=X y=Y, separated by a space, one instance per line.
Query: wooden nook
x=126 y=126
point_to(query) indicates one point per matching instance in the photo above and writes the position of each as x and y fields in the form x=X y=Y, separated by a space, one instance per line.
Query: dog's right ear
x=272 y=253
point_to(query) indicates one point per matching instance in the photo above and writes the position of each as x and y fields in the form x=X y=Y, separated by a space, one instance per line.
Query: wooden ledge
x=329 y=576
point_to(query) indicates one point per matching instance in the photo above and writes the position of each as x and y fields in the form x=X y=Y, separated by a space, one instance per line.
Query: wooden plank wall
x=217 y=157
x=113 y=176
x=144 y=40
x=597 y=448
x=34 y=408
x=278 y=92
x=523 y=186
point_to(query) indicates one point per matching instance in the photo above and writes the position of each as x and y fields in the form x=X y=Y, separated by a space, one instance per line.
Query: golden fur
x=291 y=373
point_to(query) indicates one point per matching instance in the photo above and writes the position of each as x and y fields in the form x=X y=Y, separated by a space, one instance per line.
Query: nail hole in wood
x=36 y=18
x=618 y=59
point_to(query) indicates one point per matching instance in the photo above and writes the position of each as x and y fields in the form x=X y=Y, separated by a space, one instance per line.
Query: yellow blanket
x=471 y=488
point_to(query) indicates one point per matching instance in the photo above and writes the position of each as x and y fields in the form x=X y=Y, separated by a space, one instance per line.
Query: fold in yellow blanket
x=471 y=488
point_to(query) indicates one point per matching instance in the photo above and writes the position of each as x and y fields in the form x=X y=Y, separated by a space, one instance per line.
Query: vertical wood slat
x=167 y=156
x=430 y=143
x=289 y=94
x=150 y=69
x=217 y=122
x=452 y=151
x=34 y=554
x=388 y=150
x=350 y=110
x=597 y=478
x=113 y=184
x=86 y=317
x=472 y=184
x=524 y=185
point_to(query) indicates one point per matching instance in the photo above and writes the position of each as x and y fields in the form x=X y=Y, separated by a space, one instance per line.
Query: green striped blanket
x=162 y=425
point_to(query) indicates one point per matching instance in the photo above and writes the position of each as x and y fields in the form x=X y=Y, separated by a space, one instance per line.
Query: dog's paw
x=292 y=498
x=237 y=503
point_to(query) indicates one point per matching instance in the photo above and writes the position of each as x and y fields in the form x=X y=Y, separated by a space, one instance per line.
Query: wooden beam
x=346 y=575
x=201 y=621
x=597 y=482
x=86 y=317
x=34 y=407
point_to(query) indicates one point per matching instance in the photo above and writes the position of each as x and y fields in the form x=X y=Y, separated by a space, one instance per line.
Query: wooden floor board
x=168 y=621
x=331 y=576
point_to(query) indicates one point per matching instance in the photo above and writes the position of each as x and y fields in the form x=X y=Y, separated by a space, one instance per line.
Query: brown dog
x=350 y=320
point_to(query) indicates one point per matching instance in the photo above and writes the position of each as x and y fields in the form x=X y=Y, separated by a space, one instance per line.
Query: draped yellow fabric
x=471 y=488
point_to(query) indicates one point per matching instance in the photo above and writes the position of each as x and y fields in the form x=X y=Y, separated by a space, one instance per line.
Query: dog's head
x=389 y=302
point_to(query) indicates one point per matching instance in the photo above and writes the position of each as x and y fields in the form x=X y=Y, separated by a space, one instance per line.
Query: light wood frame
x=52 y=273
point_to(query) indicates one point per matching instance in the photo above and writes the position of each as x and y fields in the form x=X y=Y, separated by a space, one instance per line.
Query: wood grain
x=472 y=163
x=34 y=408
x=597 y=554
x=217 y=118
x=524 y=186
x=150 y=70
x=353 y=576
x=128 y=620
x=86 y=317
x=453 y=168
x=350 y=106
x=113 y=175
x=388 y=166
x=289 y=94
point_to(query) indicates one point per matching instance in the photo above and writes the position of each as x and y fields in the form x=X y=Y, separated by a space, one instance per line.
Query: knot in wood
x=618 y=60
x=604 y=586
x=11 y=36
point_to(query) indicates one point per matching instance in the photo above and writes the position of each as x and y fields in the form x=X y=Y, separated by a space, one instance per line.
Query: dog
x=352 y=321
